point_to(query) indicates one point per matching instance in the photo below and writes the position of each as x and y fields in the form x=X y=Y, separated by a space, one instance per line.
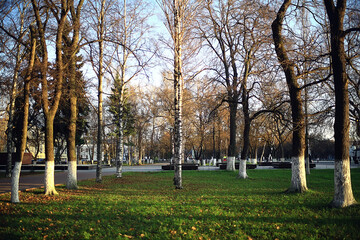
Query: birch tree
x=97 y=20
x=131 y=54
x=178 y=15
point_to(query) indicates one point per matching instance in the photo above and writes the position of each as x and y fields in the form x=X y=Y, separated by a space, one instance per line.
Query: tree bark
x=72 y=159
x=247 y=125
x=298 y=178
x=17 y=168
x=230 y=165
x=178 y=91
x=121 y=90
x=246 y=145
x=120 y=144
x=343 y=194
x=50 y=111
x=100 y=93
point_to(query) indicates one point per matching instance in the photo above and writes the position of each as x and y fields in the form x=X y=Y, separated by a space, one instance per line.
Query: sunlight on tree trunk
x=343 y=194
x=298 y=179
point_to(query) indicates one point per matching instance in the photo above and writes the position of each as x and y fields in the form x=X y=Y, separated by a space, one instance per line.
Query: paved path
x=37 y=180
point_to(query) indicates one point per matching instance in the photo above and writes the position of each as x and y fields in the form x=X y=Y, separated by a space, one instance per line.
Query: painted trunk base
x=230 y=166
x=343 y=194
x=298 y=176
x=50 y=178
x=72 y=175
x=15 y=183
x=242 y=169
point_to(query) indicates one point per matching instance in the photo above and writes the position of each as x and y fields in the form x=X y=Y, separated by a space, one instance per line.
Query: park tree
x=126 y=116
x=178 y=16
x=96 y=18
x=26 y=96
x=71 y=48
x=221 y=41
x=237 y=33
x=343 y=195
x=130 y=55
x=13 y=26
x=50 y=90
x=353 y=65
x=298 y=179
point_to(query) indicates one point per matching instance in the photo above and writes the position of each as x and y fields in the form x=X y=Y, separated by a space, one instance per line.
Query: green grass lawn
x=212 y=205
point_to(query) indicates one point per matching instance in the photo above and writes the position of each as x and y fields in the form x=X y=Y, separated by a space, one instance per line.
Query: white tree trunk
x=120 y=144
x=298 y=176
x=72 y=175
x=343 y=195
x=242 y=169
x=230 y=166
x=50 y=178
x=253 y=161
x=15 y=182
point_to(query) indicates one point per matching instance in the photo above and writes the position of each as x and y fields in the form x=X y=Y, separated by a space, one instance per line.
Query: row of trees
x=222 y=56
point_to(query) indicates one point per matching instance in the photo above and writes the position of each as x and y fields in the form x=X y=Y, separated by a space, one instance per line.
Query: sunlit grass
x=212 y=205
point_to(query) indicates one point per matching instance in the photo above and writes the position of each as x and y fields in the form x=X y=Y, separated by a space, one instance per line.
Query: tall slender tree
x=175 y=15
x=26 y=95
x=343 y=194
x=72 y=47
x=97 y=13
x=15 y=29
x=298 y=177
x=50 y=103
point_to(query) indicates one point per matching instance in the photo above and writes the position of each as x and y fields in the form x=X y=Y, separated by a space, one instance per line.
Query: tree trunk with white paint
x=10 y=125
x=242 y=169
x=298 y=179
x=20 y=156
x=50 y=178
x=50 y=104
x=71 y=139
x=15 y=182
x=71 y=182
x=343 y=194
x=230 y=165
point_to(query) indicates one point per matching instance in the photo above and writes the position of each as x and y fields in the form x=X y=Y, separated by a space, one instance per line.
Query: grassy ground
x=212 y=205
